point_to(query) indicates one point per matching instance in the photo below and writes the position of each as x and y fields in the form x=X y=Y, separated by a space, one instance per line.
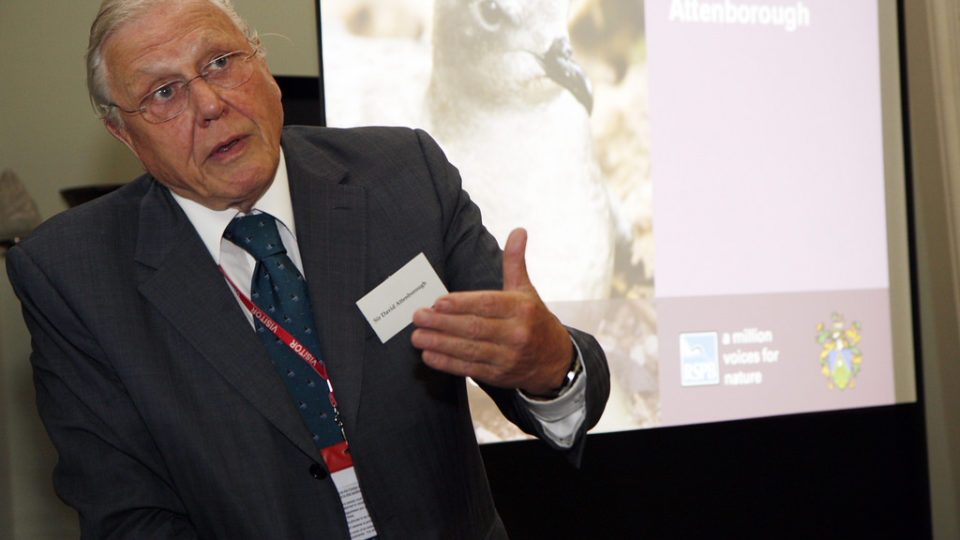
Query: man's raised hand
x=507 y=338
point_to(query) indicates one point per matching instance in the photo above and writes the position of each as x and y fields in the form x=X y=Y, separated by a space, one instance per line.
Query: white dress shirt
x=561 y=417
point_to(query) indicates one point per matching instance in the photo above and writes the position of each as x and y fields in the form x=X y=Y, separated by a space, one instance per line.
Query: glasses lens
x=165 y=102
x=230 y=70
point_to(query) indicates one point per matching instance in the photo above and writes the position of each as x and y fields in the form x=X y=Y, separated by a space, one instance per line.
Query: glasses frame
x=204 y=73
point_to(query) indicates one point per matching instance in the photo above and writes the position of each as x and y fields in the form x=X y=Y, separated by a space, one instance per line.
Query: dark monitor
x=301 y=100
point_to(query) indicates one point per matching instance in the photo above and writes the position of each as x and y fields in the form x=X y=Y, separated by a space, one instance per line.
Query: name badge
x=390 y=306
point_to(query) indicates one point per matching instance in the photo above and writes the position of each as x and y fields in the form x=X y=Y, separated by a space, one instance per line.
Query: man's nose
x=205 y=100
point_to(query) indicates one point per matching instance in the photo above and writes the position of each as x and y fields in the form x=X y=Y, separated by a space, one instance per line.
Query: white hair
x=112 y=15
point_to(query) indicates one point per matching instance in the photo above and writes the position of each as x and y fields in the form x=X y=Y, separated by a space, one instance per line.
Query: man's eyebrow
x=149 y=77
x=156 y=74
x=148 y=80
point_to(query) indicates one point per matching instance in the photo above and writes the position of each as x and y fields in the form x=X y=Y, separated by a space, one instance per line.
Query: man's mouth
x=226 y=147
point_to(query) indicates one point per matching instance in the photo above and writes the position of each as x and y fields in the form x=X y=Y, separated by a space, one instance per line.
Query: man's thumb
x=514 y=263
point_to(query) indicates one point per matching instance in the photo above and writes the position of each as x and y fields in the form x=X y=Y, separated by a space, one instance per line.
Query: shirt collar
x=210 y=224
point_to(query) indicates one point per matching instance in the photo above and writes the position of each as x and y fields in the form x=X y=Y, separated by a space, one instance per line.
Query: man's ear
x=120 y=132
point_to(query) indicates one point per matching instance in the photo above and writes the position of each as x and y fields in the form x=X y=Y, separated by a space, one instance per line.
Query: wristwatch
x=572 y=372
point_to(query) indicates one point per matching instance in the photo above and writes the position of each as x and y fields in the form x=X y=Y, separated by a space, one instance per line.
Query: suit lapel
x=330 y=219
x=179 y=271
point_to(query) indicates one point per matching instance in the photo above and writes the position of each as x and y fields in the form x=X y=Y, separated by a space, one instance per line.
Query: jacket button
x=317 y=471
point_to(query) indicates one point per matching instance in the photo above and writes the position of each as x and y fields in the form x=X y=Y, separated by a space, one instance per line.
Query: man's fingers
x=514 y=262
x=466 y=325
x=456 y=366
x=490 y=304
x=469 y=350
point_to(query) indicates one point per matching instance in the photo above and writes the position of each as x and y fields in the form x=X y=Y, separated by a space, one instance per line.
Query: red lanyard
x=284 y=336
x=336 y=456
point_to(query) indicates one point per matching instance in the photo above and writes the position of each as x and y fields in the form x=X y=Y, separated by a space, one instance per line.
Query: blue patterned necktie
x=280 y=291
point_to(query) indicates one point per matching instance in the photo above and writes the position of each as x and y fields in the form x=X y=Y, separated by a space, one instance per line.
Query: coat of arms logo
x=840 y=357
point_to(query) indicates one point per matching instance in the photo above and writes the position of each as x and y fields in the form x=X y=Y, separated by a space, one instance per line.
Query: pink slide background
x=766 y=151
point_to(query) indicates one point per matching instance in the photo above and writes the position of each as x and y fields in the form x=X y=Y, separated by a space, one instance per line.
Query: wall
x=51 y=138
x=933 y=62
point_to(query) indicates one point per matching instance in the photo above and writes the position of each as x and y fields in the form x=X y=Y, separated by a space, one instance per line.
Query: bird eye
x=490 y=13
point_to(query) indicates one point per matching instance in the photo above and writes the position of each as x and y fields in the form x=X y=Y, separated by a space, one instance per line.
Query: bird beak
x=558 y=64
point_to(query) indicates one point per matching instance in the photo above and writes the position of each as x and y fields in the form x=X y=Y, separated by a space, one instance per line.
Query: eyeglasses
x=168 y=101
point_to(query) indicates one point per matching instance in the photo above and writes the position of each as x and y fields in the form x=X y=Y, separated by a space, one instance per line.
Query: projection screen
x=714 y=188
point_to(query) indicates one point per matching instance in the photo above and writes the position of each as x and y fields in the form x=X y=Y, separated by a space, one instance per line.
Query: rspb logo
x=840 y=357
x=699 y=360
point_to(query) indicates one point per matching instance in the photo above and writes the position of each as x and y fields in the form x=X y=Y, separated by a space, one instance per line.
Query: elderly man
x=200 y=360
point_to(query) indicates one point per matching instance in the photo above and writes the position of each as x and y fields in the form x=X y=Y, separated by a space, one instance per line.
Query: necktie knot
x=256 y=234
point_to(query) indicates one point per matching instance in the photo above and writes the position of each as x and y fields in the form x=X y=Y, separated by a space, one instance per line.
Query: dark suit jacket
x=170 y=419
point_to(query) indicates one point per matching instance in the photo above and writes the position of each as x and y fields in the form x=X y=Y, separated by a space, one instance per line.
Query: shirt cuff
x=562 y=416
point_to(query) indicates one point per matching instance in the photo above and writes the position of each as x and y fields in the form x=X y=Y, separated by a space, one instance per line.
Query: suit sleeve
x=474 y=261
x=108 y=469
